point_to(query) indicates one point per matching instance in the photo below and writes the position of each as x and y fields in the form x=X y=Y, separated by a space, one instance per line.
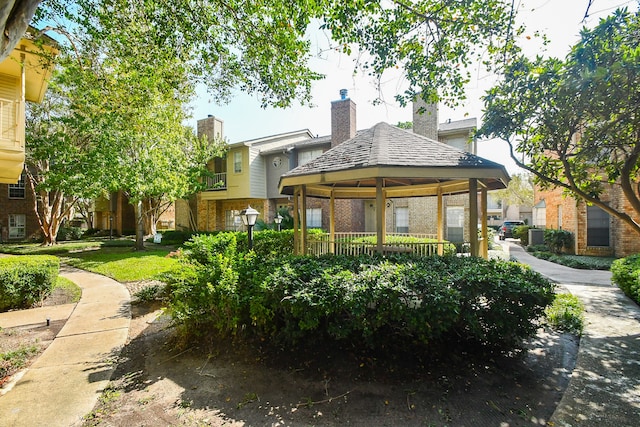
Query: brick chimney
x=425 y=118
x=212 y=127
x=343 y=119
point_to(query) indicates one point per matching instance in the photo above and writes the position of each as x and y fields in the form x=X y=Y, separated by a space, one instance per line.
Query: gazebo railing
x=352 y=244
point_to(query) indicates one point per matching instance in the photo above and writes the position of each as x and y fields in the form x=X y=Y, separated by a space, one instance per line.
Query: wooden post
x=440 y=225
x=485 y=231
x=380 y=225
x=296 y=221
x=473 y=216
x=303 y=214
x=332 y=224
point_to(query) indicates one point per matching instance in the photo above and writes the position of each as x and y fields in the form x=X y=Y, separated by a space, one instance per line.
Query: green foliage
x=176 y=237
x=518 y=192
x=626 y=274
x=566 y=313
x=26 y=280
x=574 y=261
x=13 y=360
x=557 y=240
x=150 y=293
x=574 y=119
x=69 y=233
x=367 y=301
x=69 y=288
x=522 y=232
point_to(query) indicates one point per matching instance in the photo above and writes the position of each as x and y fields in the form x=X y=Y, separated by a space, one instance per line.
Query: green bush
x=69 y=233
x=25 y=280
x=522 y=232
x=566 y=313
x=367 y=301
x=175 y=237
x=626 y=274
x=557 y=240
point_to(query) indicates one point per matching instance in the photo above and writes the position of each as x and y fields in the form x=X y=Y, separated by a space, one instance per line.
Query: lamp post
x=278 y=220
x=249 y=217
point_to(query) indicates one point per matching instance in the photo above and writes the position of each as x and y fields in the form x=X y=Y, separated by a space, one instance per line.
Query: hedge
x=27 y=279
x=626 y=274
x=367 y=301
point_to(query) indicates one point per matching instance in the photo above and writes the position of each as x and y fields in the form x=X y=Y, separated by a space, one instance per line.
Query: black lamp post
x=278 y=220
x=249 y=217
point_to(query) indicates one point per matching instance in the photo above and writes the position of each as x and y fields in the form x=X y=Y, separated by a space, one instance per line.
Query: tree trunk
x=15 y=16
x=139 y=213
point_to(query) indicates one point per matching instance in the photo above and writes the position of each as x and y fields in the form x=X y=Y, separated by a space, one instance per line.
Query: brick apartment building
x=250 y=173
x=18 y=220
x=595 y=231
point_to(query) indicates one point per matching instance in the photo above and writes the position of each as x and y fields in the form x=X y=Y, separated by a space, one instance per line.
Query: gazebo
x=386 y=162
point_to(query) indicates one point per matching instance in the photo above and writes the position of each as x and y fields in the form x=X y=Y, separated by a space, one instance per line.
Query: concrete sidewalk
x=64 y=383
x=604 y=389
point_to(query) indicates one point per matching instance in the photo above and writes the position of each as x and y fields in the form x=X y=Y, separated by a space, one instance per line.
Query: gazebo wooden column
x=380 y=217
x=332 y=223
x=440 y=224
x=484 y=250
x=473 y=216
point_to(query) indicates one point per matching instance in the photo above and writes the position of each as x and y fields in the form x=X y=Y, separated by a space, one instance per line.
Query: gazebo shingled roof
x=402 y=158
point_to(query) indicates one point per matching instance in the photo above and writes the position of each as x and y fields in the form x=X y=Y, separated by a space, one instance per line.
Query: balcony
x=216 y=182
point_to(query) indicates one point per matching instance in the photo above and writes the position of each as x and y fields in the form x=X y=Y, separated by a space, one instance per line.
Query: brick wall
x=343 y=121
x=18 y=206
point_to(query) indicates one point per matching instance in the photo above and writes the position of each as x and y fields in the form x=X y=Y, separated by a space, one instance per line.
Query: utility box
x=536 y=236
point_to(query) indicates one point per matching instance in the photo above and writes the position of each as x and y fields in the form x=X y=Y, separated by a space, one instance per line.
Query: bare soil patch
x=156 y=384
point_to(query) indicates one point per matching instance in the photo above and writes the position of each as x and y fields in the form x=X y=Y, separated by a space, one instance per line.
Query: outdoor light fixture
x=278 y=220
x=249 y=217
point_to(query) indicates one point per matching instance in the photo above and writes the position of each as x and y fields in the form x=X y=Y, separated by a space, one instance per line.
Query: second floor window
x=16 y=191
x=237 y=162
x=306 y=156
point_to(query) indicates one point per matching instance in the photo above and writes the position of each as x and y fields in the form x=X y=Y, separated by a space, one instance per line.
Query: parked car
x=506 y=229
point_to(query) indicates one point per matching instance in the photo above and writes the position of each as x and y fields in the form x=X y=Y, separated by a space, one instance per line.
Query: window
x=314 y=218
x=455 y=224
x=237 y=162
x=402 y=219
x=597 y=226
x=17 y=226
x=559 y=217
x=307 y=156
x=232 y=220
x=16 y=191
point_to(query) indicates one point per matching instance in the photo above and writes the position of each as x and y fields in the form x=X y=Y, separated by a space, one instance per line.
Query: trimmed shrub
x=626 y=274
x=69 y=233
x=25 y=280
x=557 y=240
x=366 y=301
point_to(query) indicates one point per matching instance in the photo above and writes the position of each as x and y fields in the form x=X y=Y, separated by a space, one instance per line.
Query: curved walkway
x=64 y=383
x=604 y=389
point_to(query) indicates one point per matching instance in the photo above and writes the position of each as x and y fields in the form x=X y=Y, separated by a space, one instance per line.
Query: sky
x=244 y=119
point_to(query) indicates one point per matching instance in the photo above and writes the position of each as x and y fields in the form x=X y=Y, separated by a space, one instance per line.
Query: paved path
x=64 y=383
x=604 y=389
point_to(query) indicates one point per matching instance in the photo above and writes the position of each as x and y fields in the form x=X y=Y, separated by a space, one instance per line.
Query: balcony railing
x=364 y=244
x=217 y=181
x=9 y=112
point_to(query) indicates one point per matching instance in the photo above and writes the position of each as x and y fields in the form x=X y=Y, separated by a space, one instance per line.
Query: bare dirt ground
x=155 y=384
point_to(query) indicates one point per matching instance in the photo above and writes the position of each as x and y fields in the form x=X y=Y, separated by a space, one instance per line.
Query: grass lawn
x=123 y=264
x=112 y=258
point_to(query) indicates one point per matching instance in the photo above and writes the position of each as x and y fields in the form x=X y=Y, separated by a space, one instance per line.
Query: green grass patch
x=69 y=288
x=13 y=360
x=123 y=264
x=566 y=313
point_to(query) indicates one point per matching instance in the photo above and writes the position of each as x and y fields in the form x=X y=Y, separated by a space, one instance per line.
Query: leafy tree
x=518 y=192
x=60 y=164
x=573 y=123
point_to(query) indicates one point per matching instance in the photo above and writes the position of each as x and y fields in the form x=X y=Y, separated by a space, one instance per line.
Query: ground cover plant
x=626 y=274
x=365 y=301
x=566 y=313
x=583 y=262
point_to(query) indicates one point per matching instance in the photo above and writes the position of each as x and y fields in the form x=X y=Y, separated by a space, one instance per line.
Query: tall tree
x=574 y=123
x=518 y=192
